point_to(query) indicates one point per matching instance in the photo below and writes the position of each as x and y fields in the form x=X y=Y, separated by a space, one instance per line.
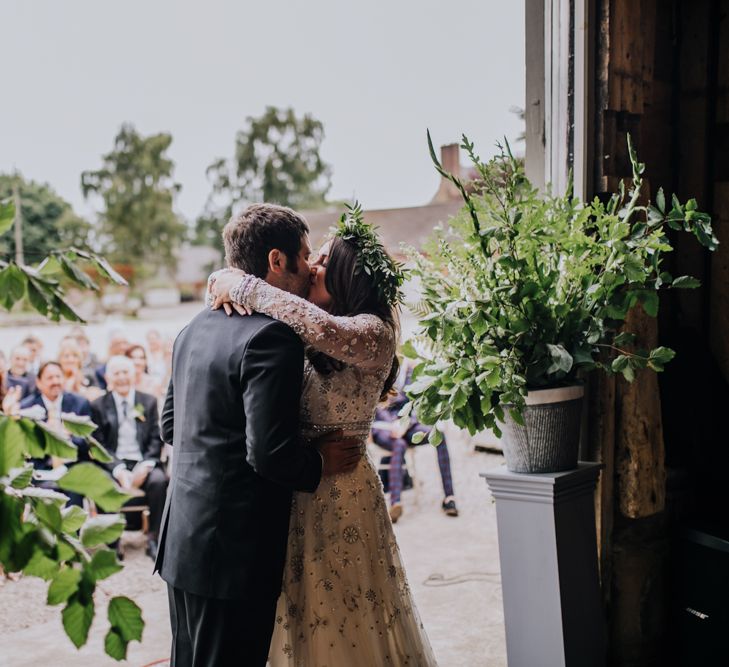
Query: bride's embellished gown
x=345 y=600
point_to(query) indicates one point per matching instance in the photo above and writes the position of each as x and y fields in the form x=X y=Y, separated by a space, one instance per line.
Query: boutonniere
x=139 y=412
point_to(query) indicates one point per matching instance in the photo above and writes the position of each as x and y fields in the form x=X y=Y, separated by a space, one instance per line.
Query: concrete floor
x=452 y=565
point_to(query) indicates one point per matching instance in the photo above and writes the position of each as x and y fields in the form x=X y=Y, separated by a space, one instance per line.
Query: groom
x=231 y=413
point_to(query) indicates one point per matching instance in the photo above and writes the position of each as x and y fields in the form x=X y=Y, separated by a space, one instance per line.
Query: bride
x=345 y=598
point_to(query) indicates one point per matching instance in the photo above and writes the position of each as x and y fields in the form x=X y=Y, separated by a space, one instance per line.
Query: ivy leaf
x=79 y=425
x=115 y=646
x=98 y=452
x=103 y=564
x=620 y=363
x=662 y=355
x=661 y=200
x=41 y=566
x=63 y=585
x=686 y=282
x=77 y=620
x=561 y=359
x=624 y=338
x=418 y=437
x=126 y=617
x=12 y=450
x=91 y=481
x=48 y=513
x=20 y=478
x=102 y=529
x=12 y=285
x=650 y=302
x=58 y=444
x=72 y=518
x=408 y=350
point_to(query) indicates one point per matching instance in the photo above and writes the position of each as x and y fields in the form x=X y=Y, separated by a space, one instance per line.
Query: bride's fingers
x=241 y=310
x=228 y=310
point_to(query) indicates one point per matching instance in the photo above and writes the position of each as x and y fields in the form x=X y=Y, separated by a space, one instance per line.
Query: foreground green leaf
x=115 y=646
x=126 y=617
x=64 y=585
x=102 y=529
x=91 y=481
x=77 y=620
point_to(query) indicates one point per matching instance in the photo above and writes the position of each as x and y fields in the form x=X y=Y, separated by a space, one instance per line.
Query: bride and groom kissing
x=276 y=542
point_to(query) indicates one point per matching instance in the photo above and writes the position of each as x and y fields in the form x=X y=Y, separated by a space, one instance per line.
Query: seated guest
x=19 y=373
x=71 y=359
x=9 y=398
x=35 y=345
x=156 y=360
x=395 y=438
x=128 y=426
x=143 y=381
x=89 y=361
x=54 y=402
x=118 y=345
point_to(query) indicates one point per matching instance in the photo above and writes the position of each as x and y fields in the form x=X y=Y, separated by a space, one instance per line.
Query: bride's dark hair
x=353 y=293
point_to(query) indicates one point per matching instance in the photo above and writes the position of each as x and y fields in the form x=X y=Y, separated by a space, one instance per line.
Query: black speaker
x=701 y=597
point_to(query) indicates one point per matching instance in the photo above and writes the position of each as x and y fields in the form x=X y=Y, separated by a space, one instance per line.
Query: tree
x=48 y=220
x=38 y=535
x=276 y=160
x=138 y=225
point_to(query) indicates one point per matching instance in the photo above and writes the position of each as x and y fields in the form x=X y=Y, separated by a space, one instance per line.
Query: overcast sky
x=376 y=73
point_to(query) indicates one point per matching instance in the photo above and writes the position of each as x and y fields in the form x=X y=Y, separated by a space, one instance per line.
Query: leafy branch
x=524 y=290
x=39 y=535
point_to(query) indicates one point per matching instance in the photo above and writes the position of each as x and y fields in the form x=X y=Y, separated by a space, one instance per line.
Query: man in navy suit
x=51 y=398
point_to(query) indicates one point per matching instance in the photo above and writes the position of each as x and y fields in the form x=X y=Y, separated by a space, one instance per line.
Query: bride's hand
x=219 y=285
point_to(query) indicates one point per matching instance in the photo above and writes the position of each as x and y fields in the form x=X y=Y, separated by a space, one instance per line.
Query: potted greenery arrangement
x=524 y=293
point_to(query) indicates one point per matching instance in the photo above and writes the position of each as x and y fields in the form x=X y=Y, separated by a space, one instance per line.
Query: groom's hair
x=252 y=234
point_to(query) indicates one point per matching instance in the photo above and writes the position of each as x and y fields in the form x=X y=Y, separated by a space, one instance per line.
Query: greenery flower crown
x=387 y=274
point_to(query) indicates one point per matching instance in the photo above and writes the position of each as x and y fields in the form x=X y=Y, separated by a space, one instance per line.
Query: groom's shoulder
x=211 y=321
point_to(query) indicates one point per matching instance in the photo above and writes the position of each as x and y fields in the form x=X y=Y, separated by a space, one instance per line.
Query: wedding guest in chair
x=50 y=402
x=128 y=426
x=389 y=434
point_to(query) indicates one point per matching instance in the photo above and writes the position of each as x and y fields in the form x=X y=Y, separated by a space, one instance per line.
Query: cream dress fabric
x=345 y=600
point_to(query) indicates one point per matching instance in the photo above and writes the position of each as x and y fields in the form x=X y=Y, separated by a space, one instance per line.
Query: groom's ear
x=276 y=261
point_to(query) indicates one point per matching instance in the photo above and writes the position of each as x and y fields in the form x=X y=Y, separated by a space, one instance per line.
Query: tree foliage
x=38 y=534
x=527 y=291
x=48 y=220
x=138 y=225
x=276 y=160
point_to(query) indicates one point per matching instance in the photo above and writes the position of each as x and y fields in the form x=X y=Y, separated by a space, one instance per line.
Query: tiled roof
x=410 y=225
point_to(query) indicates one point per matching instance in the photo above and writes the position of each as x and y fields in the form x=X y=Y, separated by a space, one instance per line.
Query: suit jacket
x=103 y=412
x=232 y=414
x=69 y=403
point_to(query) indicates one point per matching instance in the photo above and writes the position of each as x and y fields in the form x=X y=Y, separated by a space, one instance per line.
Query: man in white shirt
x=128 y=426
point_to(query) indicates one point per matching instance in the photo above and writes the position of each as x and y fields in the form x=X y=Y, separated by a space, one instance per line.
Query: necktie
x=124 y=409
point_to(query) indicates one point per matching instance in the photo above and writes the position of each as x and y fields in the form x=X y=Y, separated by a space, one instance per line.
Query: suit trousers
x=207 y=632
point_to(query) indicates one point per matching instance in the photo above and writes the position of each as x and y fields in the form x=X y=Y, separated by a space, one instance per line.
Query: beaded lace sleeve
x=362 y=340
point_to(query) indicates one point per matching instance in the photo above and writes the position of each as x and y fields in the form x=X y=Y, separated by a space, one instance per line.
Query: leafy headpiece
x=387 y=274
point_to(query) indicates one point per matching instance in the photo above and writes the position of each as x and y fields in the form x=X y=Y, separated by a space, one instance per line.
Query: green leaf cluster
x=526 y=290
x=41 y=537
x=386 y=274
x=38 y=534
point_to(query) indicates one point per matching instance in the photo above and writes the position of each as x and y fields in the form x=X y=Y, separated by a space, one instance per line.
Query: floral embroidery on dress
x=345 y=598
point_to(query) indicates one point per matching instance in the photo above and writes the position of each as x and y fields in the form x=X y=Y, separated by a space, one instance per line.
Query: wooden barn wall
x=662 y=75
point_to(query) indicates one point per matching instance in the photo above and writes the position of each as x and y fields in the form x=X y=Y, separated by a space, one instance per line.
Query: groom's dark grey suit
x=231 y=413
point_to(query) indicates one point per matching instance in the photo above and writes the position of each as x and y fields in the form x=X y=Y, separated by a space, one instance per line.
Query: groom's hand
x=339 y=454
